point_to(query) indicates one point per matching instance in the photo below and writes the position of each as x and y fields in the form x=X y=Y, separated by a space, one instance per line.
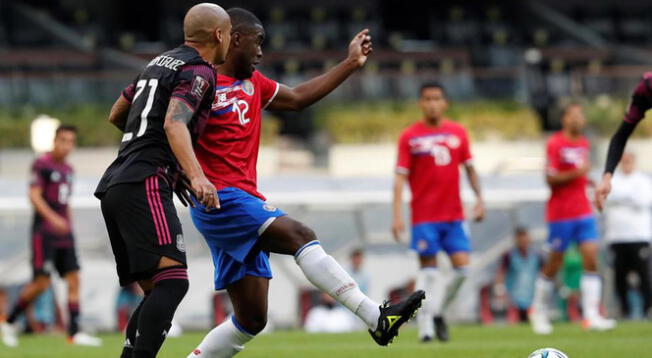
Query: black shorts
x=143 y=226
x=51 y=252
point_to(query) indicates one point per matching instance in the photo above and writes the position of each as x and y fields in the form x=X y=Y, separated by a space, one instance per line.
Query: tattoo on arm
x=178 y=111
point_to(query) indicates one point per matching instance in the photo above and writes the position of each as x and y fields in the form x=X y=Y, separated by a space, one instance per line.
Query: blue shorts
x=429 y=238
x=232 y=233
x=563 y=232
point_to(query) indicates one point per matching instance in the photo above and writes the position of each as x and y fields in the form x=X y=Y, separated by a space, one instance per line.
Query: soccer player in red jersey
x=53 y=245
x=570 y=220
x=430 y=153
x=245 y=230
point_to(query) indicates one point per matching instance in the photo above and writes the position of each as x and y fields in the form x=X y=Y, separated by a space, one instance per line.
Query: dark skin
x=285 y=235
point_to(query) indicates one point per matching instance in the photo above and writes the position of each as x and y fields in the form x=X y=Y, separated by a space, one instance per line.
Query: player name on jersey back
x=168 y=62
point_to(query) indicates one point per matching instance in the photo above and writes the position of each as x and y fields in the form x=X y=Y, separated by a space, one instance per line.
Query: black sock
x=155 y=318
x=73 y=316
x=130 y=332
x=19 y=308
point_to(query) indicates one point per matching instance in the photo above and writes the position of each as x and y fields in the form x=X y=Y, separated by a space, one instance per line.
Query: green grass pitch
x=629 y=340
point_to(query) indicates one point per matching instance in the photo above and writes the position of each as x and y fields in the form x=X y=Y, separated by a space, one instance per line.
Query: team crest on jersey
x=248 y=87
x=453 y=141
x=181 y=245
x=55 y=176
x=269 y=208
x=199 y=87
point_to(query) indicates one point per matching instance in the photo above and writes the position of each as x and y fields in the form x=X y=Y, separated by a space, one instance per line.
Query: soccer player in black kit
x=161 y=113
x=53 y=243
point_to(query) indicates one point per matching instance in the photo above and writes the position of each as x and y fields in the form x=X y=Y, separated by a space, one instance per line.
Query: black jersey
x=145 y=150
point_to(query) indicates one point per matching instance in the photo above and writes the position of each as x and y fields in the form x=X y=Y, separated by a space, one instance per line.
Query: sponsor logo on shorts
x=422 y=245
x=181 y=245
x=269 y=208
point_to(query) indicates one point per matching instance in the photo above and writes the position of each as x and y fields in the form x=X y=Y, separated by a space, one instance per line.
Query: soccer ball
x=547 y=353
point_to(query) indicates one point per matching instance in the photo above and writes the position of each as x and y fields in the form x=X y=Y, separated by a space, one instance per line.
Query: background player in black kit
x=53 y=245
x=161 y=113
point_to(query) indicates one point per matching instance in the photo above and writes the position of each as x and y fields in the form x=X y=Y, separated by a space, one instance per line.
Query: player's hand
x=397 y=229
x=360 y=47
x=183 y=189
x=602 y=191
x=205 y=192
x=59 y=224
x=479 y=211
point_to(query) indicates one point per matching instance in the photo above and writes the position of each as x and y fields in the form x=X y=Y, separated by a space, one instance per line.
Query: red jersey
x=567 y=201
x=431 y=157
x=228 y=148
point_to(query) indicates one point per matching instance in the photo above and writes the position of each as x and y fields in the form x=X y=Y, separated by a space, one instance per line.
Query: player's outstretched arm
x=119 y=113
x=311 y=91
x=474 y=181
x=641 y=102
x=177 y=118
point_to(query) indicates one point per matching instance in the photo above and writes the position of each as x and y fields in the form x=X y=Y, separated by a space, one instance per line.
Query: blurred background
x=508 y=67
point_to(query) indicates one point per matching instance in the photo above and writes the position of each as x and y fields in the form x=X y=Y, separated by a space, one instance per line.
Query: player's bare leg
x=249 y=299
x=27 y=295
x=543 y=289
x=150 y=322
x=591 y=289
x=74 y=336
x=290 y=237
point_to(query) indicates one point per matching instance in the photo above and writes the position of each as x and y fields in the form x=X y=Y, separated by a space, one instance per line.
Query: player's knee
x=302 y=235
x=42 y=283
x=254 y=323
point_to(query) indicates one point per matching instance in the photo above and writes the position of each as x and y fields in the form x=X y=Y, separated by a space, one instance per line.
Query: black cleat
x=441 y=329
x=426 y=339
x=392 y=317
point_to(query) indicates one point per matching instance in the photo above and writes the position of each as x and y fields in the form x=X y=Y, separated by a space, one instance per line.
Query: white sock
x=591 y=287
x=427 y=279
x=543 y=288
x=454 y=287
x=223 y=341
x=327 y=275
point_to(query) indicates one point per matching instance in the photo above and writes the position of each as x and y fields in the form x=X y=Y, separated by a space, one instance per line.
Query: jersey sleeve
x=552 y=157
x=38 y=176
x=194 y=84
x=404 y=156
x=641 y=100
x=268 y=89
x=466 y=157
x=128 y=92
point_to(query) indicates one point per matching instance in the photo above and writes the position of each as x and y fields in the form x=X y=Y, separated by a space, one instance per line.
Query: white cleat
x=540 y=323
x=9 y=334
x=599 y=324
x=85 y=339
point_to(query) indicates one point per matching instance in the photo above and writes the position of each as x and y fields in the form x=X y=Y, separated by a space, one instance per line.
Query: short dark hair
x=357 y=252
x=520 y=230
x=432 y=84
x=65 y=128
x=242 y=19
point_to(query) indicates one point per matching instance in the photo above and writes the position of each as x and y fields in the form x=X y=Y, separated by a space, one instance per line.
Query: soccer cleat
x=441 y=329
x=9 y=334
x=426 y=339
x=392 y=317
x=540 y=323
x=598 y=324
x=85 y=339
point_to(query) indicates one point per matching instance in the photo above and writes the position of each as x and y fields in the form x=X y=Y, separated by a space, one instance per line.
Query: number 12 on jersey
x=140 y=86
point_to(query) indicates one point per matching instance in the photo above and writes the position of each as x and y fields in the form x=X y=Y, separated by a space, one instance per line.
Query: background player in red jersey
x=570 y=220
x=430 y=153
x=161 y=114
x=245 y=230
x=53 y=245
